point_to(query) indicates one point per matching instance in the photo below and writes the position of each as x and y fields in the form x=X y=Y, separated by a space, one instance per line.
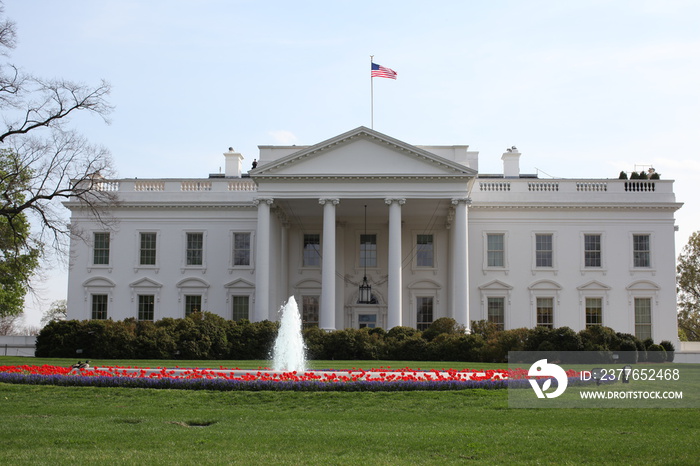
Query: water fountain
x=289 y=352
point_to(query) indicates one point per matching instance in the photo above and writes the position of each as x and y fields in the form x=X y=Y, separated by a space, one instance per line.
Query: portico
x=415 y=247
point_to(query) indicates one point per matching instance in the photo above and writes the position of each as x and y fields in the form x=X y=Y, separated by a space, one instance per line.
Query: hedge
x=209 y=336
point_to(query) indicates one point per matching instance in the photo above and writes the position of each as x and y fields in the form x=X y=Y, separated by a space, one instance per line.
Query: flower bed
x=382 y=379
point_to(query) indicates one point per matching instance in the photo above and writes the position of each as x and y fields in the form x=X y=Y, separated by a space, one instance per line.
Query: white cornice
x=384 y=177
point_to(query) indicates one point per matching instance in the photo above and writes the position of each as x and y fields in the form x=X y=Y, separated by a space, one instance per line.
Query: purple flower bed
x=250 y=385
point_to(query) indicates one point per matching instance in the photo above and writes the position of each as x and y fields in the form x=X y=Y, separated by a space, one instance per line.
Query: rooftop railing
x=598 y=186
x=155 y=185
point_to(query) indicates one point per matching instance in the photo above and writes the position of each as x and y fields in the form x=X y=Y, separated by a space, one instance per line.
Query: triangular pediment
x=496 y=285
x=362 y=153
x=145 y=283
x=239 y=283
x=594 y=286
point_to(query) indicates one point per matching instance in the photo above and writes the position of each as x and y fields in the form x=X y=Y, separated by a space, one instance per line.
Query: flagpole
x=371 y=80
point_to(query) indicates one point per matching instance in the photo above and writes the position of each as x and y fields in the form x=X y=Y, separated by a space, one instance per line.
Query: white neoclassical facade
x=418 y=224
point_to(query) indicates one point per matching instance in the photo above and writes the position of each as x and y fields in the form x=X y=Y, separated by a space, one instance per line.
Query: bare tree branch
x=43 y=164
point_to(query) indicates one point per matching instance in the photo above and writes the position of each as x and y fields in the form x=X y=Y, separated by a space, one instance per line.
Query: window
x=99 y=306
x=147 y=252
x=642 y=318
x=240 y=307
x=101 y=250
x=367 y=320
x=592 y=251
x=545 y=312
x=495 y=250
x=368 y=250
x=312 y=250
x=195 y=248
x=241 y=249
x=642 y=250
x=496 y=308
x=309 y=311
x=424 y=251
x=193 y=303
x=146 y=306
x=594 y=312
x=425 y=312
x=544 y=252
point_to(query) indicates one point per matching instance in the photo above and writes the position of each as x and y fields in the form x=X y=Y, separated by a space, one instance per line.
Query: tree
x=43 y=161
x=8 y=325
x=19 y=258
x=688 y=283
x=57 y=311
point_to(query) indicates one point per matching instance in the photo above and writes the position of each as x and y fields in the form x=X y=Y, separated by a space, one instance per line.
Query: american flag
x=379 y=71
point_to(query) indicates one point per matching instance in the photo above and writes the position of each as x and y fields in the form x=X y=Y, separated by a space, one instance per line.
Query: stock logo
x=543 y=369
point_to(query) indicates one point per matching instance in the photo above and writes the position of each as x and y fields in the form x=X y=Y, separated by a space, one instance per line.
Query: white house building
x=432 y=236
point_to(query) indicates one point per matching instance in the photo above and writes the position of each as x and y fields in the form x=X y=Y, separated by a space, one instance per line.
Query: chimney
x=511 y=163
x=234 y=162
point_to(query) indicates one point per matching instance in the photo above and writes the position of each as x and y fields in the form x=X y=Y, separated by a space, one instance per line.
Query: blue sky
x=583 y=88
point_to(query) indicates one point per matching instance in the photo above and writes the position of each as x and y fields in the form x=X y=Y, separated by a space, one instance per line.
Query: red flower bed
x=376 y=375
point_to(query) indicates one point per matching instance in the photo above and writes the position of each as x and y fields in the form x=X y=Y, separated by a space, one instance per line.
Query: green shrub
x=443 y=325
x=153 y=342
x=498 y=344
x=484 y=328
x=444 y=347
x=401 y=333
x=656 y=353
x=670 y=349
x=413 y=348
x=630 y=354
x=599 y=338
x=315 y=341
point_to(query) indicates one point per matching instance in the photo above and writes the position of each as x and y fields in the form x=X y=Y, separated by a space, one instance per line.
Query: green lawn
x=58 y=425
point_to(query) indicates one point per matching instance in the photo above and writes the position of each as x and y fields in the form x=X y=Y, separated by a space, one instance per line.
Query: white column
x=460 y=262
x=326 y=318
x=262 y=261
x=283 y=262
x=394 y=292
x=339 y=279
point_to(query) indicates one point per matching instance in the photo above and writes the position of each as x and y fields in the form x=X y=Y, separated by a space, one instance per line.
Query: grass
x=58 y=425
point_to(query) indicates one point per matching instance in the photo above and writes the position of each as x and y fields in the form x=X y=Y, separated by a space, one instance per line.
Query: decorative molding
x=267 y=200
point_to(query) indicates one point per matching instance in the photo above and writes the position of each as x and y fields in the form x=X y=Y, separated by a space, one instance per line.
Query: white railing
x=494 y=185
x=572 y=190
x=240 y=185
x=149 y=185
x=107 y=185
x=591 y=186
x=195 y=186
x=543 y=186
x=640 y=186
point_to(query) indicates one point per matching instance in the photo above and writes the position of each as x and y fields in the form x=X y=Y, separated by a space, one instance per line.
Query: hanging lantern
x=365 y=292
x=365 y=287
